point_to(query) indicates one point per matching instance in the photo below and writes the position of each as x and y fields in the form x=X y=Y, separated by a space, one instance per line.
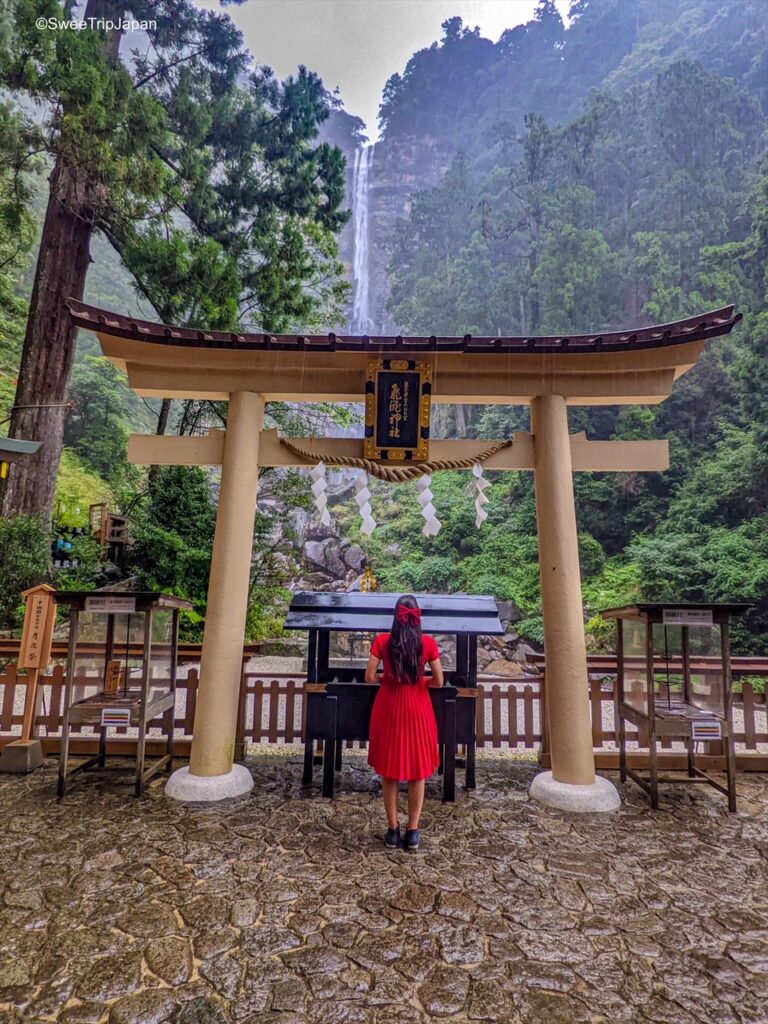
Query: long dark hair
x=405 y=640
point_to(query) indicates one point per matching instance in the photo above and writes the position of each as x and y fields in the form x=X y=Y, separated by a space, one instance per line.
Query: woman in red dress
x=403 y=733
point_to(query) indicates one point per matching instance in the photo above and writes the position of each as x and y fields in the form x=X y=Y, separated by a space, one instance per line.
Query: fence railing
x=509 y=713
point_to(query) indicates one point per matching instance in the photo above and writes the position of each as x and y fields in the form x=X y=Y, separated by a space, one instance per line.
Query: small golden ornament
x=369 y=581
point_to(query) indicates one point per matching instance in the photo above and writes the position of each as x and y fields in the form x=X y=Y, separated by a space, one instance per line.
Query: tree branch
x=167 y=67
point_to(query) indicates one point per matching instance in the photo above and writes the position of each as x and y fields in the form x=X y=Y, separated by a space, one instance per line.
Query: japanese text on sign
x=36 y=639
x=687 y=616
x=398 y=407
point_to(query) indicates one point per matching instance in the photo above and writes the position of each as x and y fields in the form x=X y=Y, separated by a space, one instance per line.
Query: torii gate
x=248 y=370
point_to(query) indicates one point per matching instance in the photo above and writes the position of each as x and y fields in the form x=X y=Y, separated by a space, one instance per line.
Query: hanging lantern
x=319 y=488
x=482 y=498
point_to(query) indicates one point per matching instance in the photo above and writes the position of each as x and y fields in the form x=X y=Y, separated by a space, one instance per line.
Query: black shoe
x=392 y=838
x=412 y=838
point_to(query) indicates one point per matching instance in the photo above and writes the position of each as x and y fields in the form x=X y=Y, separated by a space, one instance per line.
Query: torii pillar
x=571 y=785
x=212 y=773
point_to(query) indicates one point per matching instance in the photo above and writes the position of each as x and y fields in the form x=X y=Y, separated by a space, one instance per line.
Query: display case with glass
x=673 y=682
x=121 y=674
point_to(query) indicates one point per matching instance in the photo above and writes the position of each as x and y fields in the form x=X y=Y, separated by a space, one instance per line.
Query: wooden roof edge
x=694 y=328
x=643 y=607
x=16 y=446
x=157 y=600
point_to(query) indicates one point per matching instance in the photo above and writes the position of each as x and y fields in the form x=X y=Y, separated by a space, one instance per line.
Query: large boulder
x=504 y=668
x=354 y=557
x=508 y=612
x=325 y=555
x=521 y=653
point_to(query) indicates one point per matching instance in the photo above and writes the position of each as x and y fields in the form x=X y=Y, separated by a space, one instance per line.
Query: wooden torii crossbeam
x=548 y=373
x=586 y=456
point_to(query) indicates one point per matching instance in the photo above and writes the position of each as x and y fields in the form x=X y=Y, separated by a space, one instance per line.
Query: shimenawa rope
x=393 y=474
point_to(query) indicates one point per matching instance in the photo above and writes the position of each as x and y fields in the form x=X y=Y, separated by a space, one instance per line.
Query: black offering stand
x=674 y=682
x=339 y=702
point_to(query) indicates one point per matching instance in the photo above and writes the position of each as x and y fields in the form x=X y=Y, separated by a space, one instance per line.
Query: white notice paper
x=687 y=617
x=110 y=603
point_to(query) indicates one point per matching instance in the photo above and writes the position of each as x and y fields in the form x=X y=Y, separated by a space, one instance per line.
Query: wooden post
x=570 y=732
x=25 y=754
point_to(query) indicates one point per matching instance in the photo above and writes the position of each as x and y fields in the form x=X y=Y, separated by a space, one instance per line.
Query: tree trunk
x=49 y=348
x=40 y=407
x=162 y=423
x=461 y=420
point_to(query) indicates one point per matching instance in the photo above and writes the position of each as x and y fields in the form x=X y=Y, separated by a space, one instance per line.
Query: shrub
x=26 y=546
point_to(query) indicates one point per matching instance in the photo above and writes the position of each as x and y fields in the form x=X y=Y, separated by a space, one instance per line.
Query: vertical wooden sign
x=35 y=650
x=39 y=620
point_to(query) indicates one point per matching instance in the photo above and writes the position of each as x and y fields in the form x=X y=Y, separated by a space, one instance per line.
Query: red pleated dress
x=403 y=735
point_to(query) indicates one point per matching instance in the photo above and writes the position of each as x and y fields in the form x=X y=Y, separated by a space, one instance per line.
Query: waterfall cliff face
x=380 y=181
x=362 y=322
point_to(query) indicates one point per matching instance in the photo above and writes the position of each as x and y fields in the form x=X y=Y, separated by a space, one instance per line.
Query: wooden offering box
x=128 y=697
x=674 y=682
x=341 y=628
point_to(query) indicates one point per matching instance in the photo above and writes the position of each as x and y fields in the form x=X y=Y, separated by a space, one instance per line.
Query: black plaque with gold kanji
x=397 y=410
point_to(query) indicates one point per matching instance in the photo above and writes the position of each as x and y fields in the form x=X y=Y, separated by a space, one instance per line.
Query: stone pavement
x=284 y=908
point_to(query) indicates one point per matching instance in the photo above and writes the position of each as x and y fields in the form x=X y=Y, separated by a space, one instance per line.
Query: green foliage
x=77 y=487
x=26 y=547
x=172 y=539
x=97 y=427
x=531 y=630
x=89 y=573
x=649 y=206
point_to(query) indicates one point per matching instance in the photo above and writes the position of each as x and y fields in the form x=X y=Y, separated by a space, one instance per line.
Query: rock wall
x=401 y=167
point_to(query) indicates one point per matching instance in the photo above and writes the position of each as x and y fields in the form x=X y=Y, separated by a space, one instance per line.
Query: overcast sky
x=358 y=44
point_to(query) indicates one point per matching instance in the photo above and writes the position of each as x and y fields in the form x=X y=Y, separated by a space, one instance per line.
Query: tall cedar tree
x=192 y=164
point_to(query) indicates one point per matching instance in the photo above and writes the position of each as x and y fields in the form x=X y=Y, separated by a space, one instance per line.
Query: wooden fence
x=509 y=715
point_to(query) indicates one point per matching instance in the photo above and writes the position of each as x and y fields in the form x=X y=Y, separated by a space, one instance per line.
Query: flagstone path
x=284 y=908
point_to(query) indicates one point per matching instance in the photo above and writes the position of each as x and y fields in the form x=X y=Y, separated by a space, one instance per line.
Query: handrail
x=741 y=664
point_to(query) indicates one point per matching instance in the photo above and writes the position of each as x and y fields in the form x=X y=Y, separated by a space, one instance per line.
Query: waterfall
x=361 y=195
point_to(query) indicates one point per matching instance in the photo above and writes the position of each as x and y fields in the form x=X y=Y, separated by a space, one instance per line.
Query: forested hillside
x=605 y=173
x=648 y=206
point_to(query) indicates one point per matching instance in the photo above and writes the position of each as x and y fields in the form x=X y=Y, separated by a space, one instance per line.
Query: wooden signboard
x=110 y=604
x=397 y=410
x=687 y=616
x=39 y=620
x=112 y=678
x=34 y=655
